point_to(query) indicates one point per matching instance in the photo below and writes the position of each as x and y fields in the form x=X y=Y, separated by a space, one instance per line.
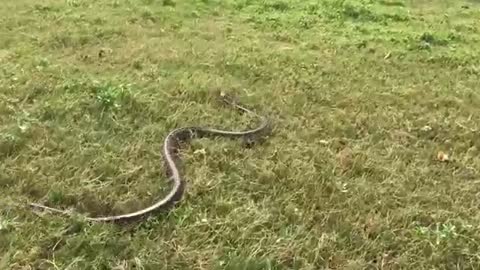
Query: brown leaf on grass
x=372 y=226
x=345 y=158
x=442 y=156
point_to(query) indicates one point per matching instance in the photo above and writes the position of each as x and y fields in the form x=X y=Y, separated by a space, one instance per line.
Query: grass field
x=362 y=94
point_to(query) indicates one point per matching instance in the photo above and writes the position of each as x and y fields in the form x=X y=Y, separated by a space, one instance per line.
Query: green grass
x=362 y=94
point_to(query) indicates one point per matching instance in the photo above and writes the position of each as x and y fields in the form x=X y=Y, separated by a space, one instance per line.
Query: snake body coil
x=170 y=154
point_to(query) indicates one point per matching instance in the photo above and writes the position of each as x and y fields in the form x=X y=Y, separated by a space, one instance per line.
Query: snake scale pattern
x=172 y=160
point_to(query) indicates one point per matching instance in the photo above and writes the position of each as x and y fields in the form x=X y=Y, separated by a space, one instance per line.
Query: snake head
x=227 y=98
x=249 y=141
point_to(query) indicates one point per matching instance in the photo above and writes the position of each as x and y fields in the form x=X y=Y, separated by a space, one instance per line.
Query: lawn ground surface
x=363 y=96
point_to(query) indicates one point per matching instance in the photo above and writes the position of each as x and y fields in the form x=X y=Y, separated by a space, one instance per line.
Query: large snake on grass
x=170 y=153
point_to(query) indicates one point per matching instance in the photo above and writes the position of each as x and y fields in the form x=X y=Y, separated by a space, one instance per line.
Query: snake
x=170 y=153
